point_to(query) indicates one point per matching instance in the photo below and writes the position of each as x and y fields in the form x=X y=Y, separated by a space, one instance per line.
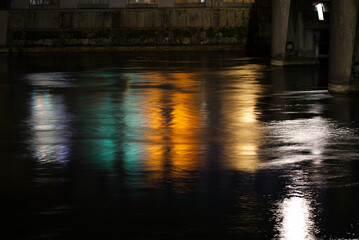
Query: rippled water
x=174 y=146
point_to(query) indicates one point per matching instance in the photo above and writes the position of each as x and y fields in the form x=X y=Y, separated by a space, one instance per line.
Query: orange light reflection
x=173 y=125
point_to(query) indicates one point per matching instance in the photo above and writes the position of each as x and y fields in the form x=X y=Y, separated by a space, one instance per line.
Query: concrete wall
x=165 y=3
x=21 y=4
x=128 y=27
x=68 y=4
x=3 y=27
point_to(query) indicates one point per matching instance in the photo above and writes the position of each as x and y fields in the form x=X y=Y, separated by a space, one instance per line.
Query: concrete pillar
x=343 y=22
x=280 y=19
x=4 y=17
x=356 y=43
x=301 y=35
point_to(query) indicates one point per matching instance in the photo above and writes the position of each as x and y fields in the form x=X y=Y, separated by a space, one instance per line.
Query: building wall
x=129 y=27
x=3 y=27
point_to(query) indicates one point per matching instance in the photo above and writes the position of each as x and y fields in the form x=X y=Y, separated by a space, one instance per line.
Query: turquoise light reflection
x=132 y=116
x=98 y=127
x=132 y=143
x=111 y=131
x=100 y=152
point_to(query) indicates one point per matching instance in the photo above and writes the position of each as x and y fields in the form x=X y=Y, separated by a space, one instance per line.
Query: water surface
x=174 y=146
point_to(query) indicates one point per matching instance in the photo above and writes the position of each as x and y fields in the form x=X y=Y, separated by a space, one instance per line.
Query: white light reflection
x=49 y=127
x=295 y=213
x=296 y=219
x=299 y=140
x=48 y=118
x=51 y=79
x=295 y=140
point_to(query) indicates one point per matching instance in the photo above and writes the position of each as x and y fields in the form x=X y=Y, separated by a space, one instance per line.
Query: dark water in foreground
x=179 y=146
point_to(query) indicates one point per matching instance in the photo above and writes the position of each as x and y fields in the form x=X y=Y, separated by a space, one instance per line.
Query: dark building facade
x=114 y=23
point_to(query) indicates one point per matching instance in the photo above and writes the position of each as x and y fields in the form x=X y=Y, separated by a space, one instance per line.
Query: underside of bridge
x=298 y=35
x=305 y=31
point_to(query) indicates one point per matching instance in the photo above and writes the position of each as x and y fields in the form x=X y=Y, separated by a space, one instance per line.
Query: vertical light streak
x=172 y=124
x=242 y=129
x=48 y=122
x=297 y=223
x=320 y=8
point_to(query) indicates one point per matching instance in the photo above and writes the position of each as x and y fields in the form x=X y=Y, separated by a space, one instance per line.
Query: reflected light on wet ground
x=197 y=148
x=306 y=139
x=243 y=132
x=295 y=222
x=295 y=214
x=311 y=139
x=302 y=139
x=173 y=124
x=49 y=133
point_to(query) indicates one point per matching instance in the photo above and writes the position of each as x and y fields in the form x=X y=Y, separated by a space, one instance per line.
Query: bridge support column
x=280 y=19
x=343 y=25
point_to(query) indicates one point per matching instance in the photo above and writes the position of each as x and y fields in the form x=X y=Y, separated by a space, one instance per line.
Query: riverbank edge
x=109 y=49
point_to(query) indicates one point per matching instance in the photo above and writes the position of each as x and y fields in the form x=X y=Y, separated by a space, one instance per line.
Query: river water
x=174 y=146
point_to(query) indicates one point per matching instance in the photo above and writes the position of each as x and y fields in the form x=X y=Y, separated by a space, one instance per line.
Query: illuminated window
x=92 y=2
x=189 y=1
x=141 y=1
x=239 y=1
x=43 y=2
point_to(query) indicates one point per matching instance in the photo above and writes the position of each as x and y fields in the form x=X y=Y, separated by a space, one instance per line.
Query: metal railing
x=7 y=4
x=92 y=2
x=189 y=1
x=43 y=2
x=141 y=2
x=239 y=1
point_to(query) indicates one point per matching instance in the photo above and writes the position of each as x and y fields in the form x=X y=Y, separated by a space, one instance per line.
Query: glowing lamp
x=320 y=7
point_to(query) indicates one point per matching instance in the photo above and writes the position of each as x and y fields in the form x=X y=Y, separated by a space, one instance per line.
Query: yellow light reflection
x=248 y=115
x=248 y=150
x=243 y=134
